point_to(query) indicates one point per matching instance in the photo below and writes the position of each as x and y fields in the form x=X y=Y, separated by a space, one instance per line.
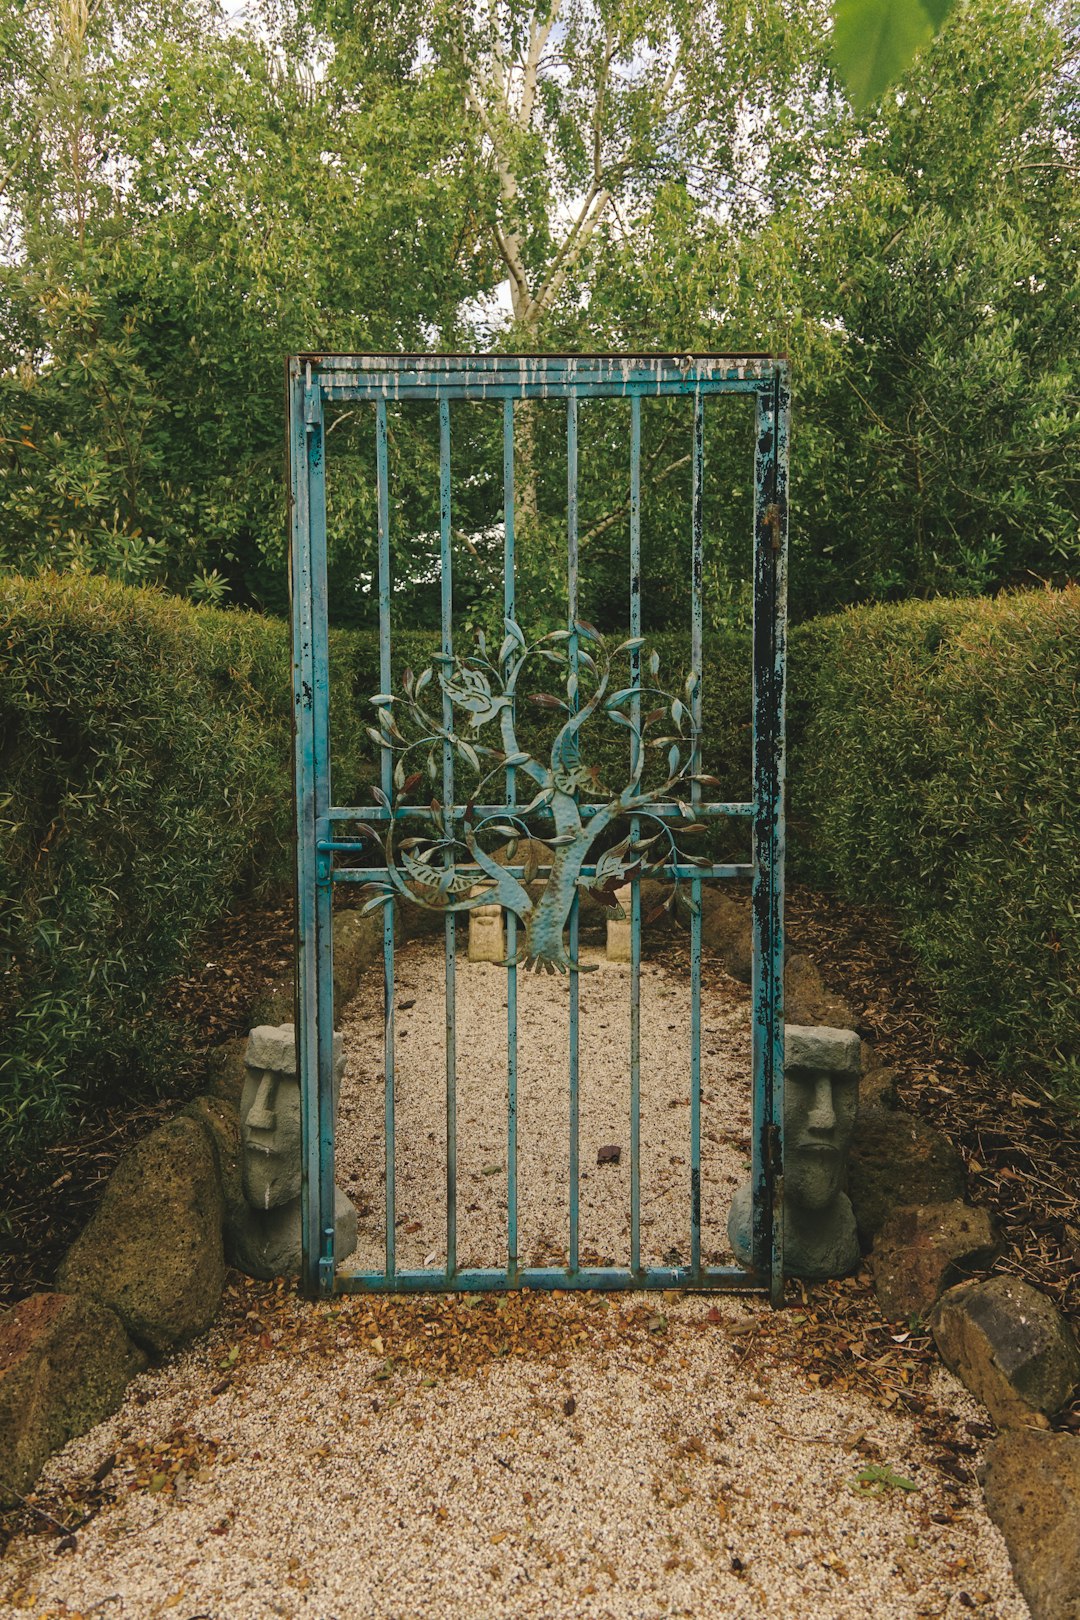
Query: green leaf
x=876 y=1478
x=875 y=41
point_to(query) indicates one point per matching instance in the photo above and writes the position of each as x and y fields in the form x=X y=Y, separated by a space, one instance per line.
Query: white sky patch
x=488 y=314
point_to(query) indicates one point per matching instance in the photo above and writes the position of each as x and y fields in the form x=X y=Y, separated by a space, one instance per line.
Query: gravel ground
x=618 y=1459
x=544 y=1112
x=623 y=1480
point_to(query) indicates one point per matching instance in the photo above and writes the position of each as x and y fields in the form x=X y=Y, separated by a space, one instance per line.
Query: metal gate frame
x=312 y=380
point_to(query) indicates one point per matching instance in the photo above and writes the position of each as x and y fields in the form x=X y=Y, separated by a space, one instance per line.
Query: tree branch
x=620 y=511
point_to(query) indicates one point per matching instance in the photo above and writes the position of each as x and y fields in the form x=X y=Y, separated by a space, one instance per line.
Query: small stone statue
x=821 y=1099
x=263 y=1232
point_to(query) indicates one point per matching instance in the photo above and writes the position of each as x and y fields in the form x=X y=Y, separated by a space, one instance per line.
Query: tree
x=171 y=238
x=944 y=440
x=584 y=117
x=921 y=272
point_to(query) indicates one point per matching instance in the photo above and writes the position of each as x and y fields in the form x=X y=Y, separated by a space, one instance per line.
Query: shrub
x=146 y=782
x=936 y=773
x=145 y=753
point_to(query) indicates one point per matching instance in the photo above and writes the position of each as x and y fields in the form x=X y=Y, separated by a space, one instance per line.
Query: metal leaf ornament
x=455 y=866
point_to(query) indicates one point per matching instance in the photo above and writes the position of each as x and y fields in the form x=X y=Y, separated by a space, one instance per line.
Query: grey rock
x=808 y=1047
x=153 y=1250
x=64 y=1364
x=827 y=1246
x=358 y=943
x=1032 y=1489
x=808 y=999
x=267 y=1243
x=1009 y=1345
x=923 y=1249
x=898 y=1159
x=725 y=929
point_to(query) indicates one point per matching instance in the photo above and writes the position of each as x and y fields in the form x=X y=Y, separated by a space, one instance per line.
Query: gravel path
x=544 y=1112
x=609 y=1459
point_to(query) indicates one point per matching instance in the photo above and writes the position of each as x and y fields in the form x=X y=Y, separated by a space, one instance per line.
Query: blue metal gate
x=448 y=867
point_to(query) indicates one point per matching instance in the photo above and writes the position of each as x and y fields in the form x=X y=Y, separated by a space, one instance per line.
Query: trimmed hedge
x=936 y=772
x=146 y=782
x=144 y=759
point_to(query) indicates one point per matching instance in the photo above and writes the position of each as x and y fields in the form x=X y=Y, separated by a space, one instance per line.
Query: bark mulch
x=1020 y=1146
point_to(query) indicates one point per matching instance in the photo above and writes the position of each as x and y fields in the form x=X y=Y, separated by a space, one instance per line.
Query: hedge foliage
x=146 y=783
x=936 y=772
x=144 y=780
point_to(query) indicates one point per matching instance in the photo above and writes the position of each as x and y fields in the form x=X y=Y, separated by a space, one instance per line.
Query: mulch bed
x=1021 y=1148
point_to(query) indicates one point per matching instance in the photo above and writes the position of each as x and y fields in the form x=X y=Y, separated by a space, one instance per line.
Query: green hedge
x=145 y=780
x=935 y=772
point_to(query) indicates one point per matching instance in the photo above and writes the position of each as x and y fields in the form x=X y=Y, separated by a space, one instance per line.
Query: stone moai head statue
x=270 y=1115
x=821 y=1100
x=263 y=1232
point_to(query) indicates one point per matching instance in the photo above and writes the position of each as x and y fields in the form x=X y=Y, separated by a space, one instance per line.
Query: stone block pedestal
x=487 y=936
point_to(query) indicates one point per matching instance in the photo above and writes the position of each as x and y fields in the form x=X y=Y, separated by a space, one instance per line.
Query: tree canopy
x=188 y=196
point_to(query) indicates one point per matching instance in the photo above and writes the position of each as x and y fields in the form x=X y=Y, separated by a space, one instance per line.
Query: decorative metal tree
x=450 y=870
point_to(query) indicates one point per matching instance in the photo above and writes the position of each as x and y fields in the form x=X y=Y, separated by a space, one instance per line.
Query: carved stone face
x=819 y=1118
x=270 y=1131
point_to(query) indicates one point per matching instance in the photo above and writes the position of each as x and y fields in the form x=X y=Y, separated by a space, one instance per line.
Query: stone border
x=146 y=1274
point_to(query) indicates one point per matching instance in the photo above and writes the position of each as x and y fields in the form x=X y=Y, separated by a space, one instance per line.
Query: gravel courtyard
x=613 y=1458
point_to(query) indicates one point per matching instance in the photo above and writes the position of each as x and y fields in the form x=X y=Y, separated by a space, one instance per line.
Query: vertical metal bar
x=304 y=786
x=778 y=545
x=767 y=899
x=575 y=981
x=324 y=893
x=387 y=775
x=635 y=834
x=447 y=610
x=696 y=667
x=509 y=612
